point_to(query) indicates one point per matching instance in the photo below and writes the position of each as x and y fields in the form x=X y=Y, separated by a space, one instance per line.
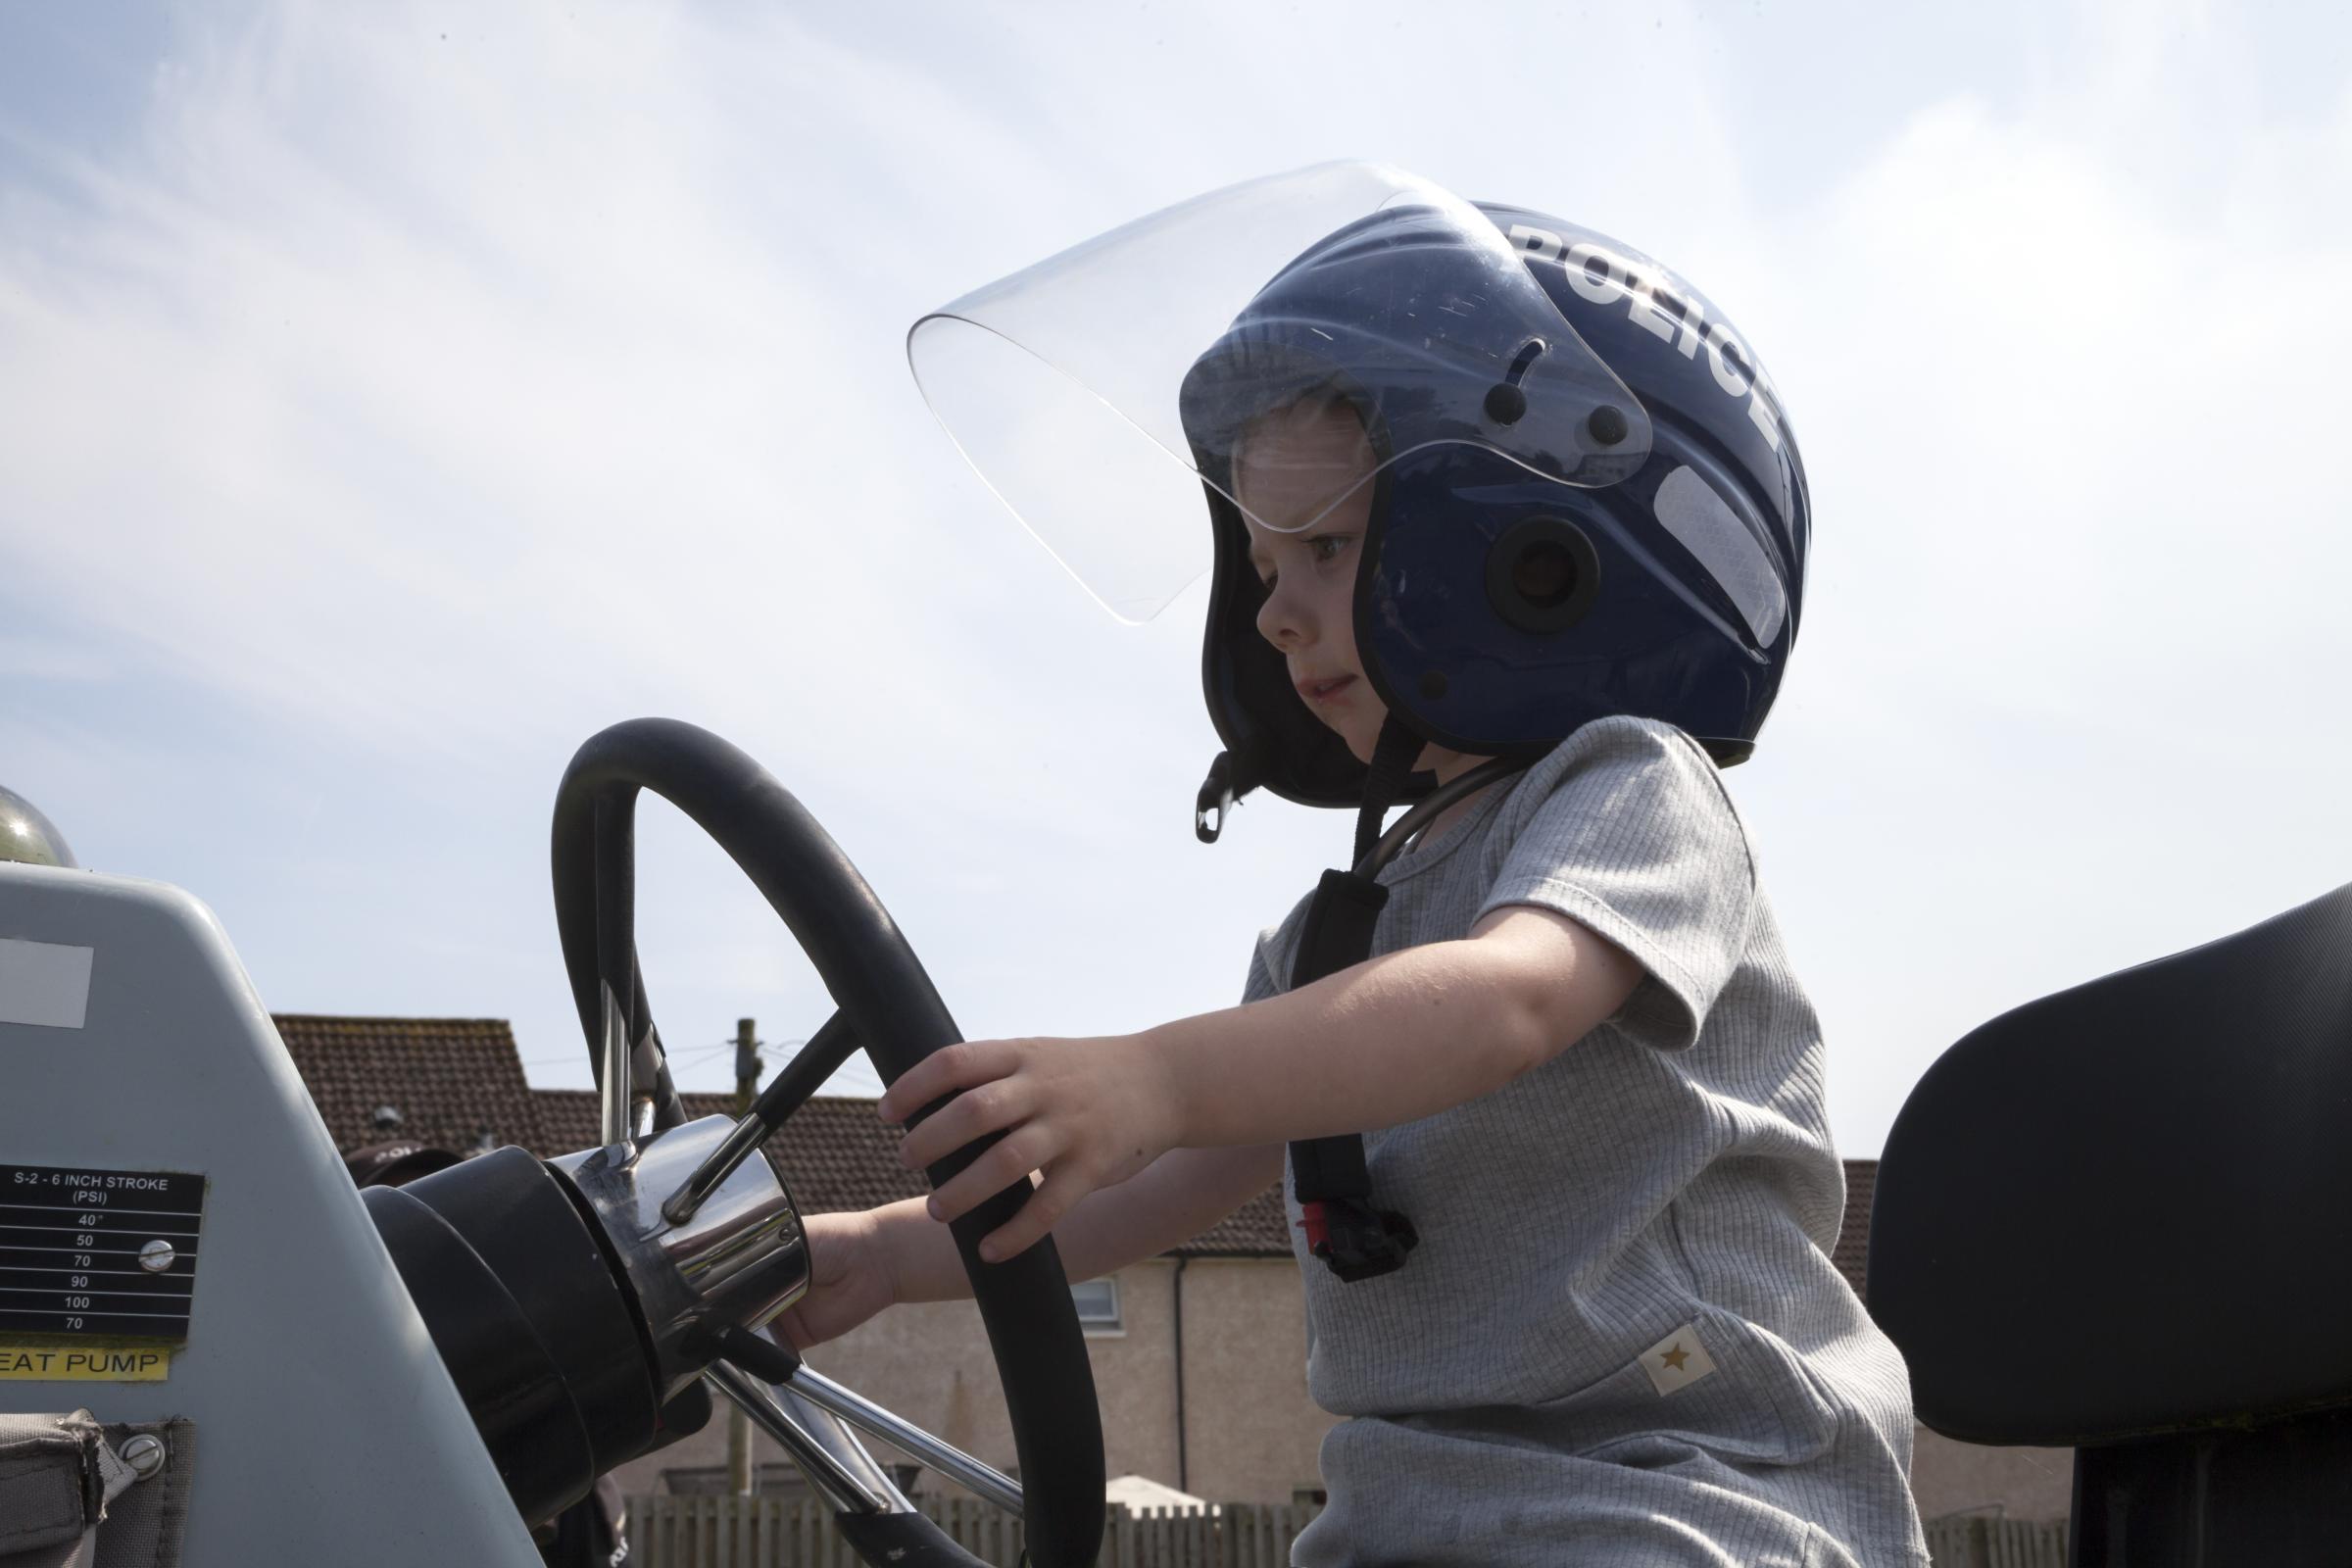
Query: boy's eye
x=1316 y=548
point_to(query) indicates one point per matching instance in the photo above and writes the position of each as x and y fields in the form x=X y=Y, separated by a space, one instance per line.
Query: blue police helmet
x=1501 y=602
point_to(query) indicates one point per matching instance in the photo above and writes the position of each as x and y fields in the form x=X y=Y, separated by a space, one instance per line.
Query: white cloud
x=412 y=393
x=2067 y=408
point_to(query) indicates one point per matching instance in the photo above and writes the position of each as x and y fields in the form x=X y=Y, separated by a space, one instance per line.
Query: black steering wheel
x=888 y=1006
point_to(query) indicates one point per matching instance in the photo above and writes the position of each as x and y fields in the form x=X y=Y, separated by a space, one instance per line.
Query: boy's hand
x=1087 y=1113
x=851 y=1280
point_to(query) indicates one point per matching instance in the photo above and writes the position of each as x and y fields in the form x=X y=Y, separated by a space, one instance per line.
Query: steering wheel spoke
x=617 y=1120
x=941 y=1455
x=836 y=1464
x=776 y=1366
x=834 y=1043
x=747 y=1355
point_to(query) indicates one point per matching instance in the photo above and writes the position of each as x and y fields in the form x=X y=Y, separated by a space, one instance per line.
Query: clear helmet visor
x=1216 y=342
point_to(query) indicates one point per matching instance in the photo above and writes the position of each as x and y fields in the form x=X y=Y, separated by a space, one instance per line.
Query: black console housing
x=523 y=1304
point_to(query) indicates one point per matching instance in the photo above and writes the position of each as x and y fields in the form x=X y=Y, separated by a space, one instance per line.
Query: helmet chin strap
x=1328 y=1175
x=1392 y=758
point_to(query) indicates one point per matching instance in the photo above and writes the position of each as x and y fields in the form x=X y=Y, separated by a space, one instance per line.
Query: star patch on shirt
x=1677 y=1361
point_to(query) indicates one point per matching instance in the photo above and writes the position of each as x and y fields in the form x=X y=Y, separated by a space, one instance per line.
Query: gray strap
x=41 y=1503
x=63 y=1481
x=56 y=1478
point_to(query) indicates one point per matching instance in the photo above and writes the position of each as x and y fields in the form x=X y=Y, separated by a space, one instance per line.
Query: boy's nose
x=1282 y=619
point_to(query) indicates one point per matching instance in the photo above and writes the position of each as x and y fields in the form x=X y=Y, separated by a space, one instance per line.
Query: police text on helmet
x=1602 y=275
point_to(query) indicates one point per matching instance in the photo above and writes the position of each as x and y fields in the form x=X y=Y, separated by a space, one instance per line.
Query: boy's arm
x=1398 y=1037
x=1387 y=1041
x=1171 y=1201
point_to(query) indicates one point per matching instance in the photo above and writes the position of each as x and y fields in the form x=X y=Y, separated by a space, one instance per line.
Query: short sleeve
x=1260 y=984
x=1626 y=829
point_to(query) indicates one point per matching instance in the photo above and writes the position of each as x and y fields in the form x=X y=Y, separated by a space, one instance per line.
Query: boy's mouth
x=1316 y=690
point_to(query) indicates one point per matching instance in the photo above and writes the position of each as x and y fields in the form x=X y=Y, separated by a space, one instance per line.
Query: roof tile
x=452 y=1080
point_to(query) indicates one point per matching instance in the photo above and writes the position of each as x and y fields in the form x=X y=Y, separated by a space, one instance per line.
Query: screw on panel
x=144 y=1454
x=156 y=1256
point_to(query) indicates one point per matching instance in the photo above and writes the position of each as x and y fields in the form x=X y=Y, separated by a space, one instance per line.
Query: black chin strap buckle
x=1216 y=801
x=1355 y=1240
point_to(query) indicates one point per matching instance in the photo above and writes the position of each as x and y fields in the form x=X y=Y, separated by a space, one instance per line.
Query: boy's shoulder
x=1620 y=739
x=1625 y=808
x=1623 y=757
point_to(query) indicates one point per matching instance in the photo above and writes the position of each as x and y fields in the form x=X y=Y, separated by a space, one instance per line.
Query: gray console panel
x=326 y=1429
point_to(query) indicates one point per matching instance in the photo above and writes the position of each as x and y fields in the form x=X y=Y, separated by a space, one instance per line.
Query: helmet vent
x=1542 y=575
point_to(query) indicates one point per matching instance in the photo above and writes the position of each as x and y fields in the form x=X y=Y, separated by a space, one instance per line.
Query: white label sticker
x=1677 y=1361
x=44 y=983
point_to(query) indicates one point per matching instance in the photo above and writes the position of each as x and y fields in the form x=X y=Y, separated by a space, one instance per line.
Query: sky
x=392 y=397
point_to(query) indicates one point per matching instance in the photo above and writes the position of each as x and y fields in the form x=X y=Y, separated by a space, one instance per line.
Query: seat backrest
x=2126 y=1209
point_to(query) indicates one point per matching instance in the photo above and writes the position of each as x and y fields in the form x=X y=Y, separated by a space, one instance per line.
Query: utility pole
x=739 y=1425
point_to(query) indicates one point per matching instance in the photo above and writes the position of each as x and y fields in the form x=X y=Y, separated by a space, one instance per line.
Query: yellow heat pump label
x=84 y=1364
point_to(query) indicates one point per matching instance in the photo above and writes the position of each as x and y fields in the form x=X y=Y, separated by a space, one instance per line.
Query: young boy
x=1589 y=1088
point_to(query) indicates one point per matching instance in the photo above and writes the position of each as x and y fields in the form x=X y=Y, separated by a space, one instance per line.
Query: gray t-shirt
x=1621 y=1339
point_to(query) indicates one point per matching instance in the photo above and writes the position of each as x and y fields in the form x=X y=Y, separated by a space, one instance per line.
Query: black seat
x=2126 y=1209
x=2120 y=1218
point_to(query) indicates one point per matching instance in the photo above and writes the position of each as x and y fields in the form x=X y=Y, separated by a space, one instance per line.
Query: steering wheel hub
x=739 y=1260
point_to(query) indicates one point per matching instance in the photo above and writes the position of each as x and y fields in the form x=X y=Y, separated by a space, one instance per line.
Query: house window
x=1097 y=1305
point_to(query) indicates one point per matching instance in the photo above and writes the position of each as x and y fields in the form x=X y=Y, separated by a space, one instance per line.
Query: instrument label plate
x=97 y=1254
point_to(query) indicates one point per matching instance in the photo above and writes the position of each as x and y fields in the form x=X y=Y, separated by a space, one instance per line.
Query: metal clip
x=1214 y=802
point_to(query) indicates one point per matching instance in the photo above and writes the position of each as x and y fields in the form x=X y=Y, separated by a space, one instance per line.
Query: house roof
x=451 y=1079
x=1258 y=1228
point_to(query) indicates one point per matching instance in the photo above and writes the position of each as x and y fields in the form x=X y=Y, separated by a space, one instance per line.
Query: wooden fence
x=1960 y=1541
x=727 y=1531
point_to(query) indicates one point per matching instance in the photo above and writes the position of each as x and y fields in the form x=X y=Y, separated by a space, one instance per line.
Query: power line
x=688 y=1058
